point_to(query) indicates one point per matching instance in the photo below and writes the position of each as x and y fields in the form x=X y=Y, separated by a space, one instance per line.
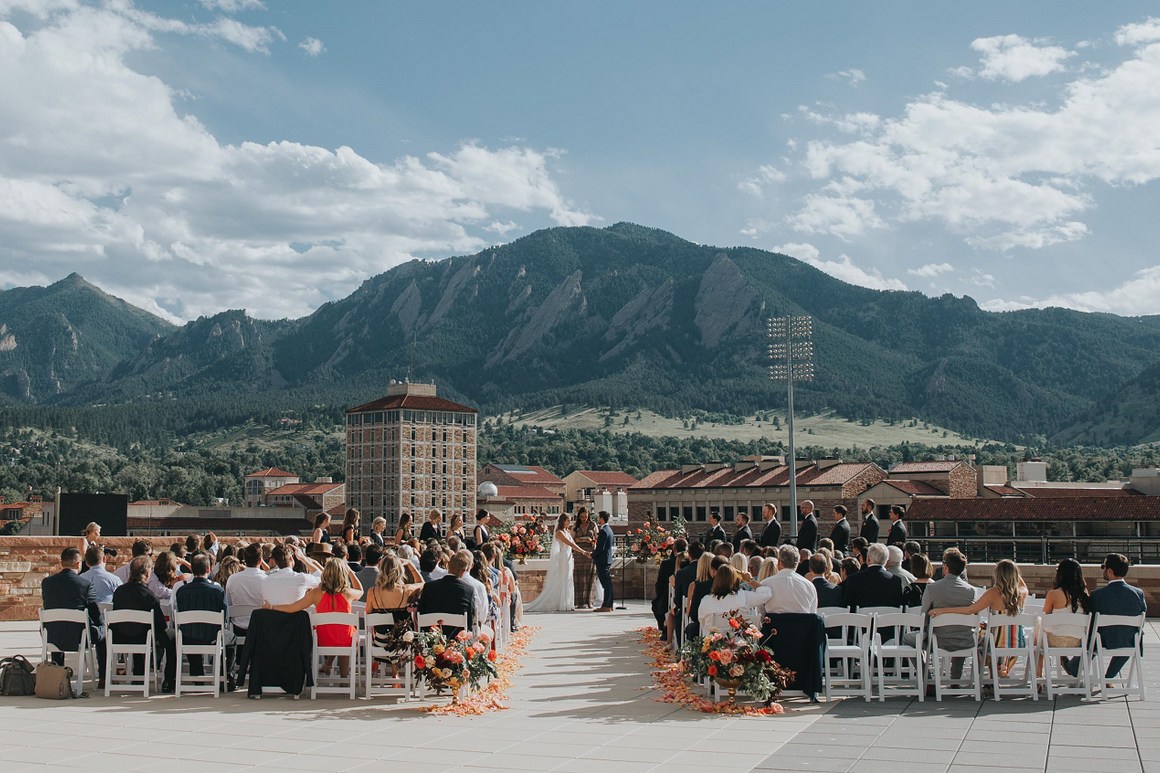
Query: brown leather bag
x=53 y=682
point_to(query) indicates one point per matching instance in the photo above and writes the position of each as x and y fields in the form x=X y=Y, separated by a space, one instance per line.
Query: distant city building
x=259 y=483
x=322 y=494
x=512 y=502
x=599 y=490
x=522 y=475
x=410 y=451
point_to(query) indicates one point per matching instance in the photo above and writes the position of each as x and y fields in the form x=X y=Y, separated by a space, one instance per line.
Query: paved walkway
x=581 y=703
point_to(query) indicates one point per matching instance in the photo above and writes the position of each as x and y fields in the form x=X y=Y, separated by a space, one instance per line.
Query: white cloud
x=961 y=72
x=843 y=268
x=1015 y=58
x=503 y=229
x=312 y=46
x=103 y=173
x=1139 y=295
x=755 y=184
x=1147 y=31
x=802 y=251
x=979 y=279
x=850 y=123
x=233 y=6
x=851 y=76
x=931 y=269
x=1002 y=176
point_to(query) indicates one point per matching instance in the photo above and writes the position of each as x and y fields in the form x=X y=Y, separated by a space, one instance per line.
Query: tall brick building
x=409 y=452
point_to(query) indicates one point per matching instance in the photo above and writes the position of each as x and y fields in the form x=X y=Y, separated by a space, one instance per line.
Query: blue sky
x=208 y=154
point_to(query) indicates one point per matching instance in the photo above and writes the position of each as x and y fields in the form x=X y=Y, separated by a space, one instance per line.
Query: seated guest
x=336 y=590
x=451 y=595
x=1006 y=596
x=1068 y=593
x=668 y=567
x=725 y=596
x=199 y=594
x=750 y=548
x=283 y=585
x=707 y=566
x=894 y=565
x=244 y=589
x=873 y=586
x=790 y=592
x=454 y=544
x=682 y=579
x=803 y=566
x=480 y=580
x=407 y=553
x=768 y=568
x=923 y=572
x=952 y=590
x=429 y=568
x=210 y=544
x=140 y=548
x=1117 y=598
x=135 y=594
x=829 y=594
x=166 y=573
x=741 y=566
x=69 y=590
x=354 y=557
x=103 y=581
x=369 y=574
x=847 y=569
x=754 y=567
x=397 y=586
x=909 y=550
x=725 y=550
x=229 y=566
x=858 y=548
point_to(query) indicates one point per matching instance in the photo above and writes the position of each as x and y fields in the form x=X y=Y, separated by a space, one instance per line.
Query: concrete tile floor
x=584 y=702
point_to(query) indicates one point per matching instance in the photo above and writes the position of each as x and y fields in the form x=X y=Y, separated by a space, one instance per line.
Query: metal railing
x=1046 y=550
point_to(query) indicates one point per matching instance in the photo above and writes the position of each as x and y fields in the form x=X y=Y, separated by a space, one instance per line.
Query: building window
x=728 y=512
x=701 y=514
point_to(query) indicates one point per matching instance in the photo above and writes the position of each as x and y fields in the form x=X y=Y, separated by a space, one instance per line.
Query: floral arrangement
x=443 y=663
x=651 y=542
x=524 y=539
x=736 y=654
x=492 y=696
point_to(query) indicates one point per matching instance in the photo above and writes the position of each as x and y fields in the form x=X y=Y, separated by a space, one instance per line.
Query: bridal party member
x=584 y=572
x=431 y=529
x=321 y=534
x=602 y=557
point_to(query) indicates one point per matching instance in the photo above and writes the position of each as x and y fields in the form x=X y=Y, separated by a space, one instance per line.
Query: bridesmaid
x=584 y=572
x=404 y=533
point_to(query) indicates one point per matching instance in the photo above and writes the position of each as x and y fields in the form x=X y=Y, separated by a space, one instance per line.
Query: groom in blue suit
x=602 y=557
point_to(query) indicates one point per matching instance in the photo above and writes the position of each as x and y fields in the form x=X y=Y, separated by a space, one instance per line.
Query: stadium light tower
x=791 y=358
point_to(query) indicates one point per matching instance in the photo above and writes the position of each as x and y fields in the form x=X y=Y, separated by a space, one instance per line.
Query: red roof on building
x=303 y=489
x=413 y=402
x=1005 y=490
x=1052 y=492
x=271 y=472
x=525 y=492
x=915 y=488
x=1111 y=508
x=608 y=477
x=754 y=477
x=936 y=466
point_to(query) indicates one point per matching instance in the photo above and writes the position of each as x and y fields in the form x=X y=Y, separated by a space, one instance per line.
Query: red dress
x=334 y=635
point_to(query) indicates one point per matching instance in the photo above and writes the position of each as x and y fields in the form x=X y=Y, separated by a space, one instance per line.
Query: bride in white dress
x=559 y=593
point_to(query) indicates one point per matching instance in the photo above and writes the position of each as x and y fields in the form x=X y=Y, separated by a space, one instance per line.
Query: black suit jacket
x=68 y=590
x=449 y=595
x=1118 y=598
x=869 y=531
x=872 y=587
x=135 y=595
x=840 y=535
x=428 y=532
x=199 y=594
x=602 y=552
x=829 y=595
x=808 y=533
x=897 y=535
x=743 y=534
x=716 y=533
x=771 y=535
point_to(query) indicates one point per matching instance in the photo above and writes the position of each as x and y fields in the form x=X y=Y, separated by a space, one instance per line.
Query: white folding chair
x=941 y=659
x=431 y=620
x=85 y=655
x=851 y=673
x=1033 y=606
x=333 y=686
x=1029 y=684
x=114 y=649
x=1119 y=685
x=823 y=611
x=215 y=674
x=908 y=659
x=1058 y=681
x=880 y=610
x=380 y=687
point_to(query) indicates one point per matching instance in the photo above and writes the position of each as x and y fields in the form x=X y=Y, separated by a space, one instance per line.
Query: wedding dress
x=559 y=592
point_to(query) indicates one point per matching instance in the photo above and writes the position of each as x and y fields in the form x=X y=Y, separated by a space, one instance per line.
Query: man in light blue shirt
x=103 y=581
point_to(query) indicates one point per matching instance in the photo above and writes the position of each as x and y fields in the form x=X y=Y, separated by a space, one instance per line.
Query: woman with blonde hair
x=768 y=569
x=378 y=526
x=229 y=566
x=398 y=587
x=1006 y=596
x=337 y=589
x=430 y=529
x=455 y=526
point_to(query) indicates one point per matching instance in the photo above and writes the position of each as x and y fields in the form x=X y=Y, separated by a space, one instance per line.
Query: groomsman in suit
x=840 y=534
x=743 y=531
x=897 y=535
x=771 y=534
x=602 y=557
x=869 y=530
x=808 y=532
x=716 y=533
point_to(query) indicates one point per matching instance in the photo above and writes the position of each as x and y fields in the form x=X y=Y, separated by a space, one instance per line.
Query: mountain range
x=625 y=315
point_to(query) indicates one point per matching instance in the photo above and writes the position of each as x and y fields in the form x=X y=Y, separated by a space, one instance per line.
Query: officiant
x=584 y=572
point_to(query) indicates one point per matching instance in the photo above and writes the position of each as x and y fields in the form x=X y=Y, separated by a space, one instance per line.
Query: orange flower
x=714 y=655
x=734 y=623
x=712 y=670
x=420 y=662
x=492 y=656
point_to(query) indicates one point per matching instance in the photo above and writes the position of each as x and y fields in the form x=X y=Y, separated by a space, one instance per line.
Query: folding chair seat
x=1124 y=684
x=114 y=649
x=941 y=659
x=851 y=673
x=84 y=658
x=381 y=686
x=908 y=660
x=334 y=686
x=998 y=650
x=431 y=620
x=215 y=674
x=1055 y=677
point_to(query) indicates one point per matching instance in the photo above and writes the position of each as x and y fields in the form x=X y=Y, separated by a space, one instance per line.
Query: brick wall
x=964 y=482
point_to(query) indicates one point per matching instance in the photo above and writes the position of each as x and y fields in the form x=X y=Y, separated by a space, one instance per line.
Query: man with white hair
x=874 y=586
x=894 y=565
x=790 y=592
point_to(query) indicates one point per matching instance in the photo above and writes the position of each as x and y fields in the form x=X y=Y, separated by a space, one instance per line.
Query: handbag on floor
x=17 y=676
x=53 y=682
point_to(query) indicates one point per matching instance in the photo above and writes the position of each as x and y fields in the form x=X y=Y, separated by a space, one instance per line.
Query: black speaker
x=77 y=511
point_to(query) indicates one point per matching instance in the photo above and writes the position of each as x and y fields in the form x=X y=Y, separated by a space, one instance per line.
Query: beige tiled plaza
x=583 y=702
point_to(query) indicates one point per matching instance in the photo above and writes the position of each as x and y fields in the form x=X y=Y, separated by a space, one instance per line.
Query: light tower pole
x=791 y=358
